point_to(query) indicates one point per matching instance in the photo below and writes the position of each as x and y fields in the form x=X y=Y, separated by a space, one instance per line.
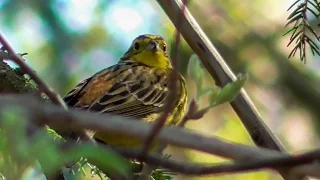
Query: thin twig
x=189 y=113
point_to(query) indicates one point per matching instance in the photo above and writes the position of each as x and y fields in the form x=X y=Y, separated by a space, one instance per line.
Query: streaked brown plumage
x=131 y=88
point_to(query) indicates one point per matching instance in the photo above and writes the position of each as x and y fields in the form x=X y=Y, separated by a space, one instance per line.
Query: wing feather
x=134 y=95
x=71 y=98
x=126 y=90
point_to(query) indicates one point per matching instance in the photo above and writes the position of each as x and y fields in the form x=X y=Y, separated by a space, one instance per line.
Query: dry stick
x=71 y=120
x=219 y=70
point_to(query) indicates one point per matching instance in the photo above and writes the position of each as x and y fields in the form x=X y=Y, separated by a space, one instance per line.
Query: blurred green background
x=68 y=41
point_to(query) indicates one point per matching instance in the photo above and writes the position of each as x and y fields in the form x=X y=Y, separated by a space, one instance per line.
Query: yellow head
x=150 y=50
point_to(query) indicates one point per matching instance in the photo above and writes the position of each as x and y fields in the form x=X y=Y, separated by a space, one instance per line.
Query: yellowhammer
x=137 y=86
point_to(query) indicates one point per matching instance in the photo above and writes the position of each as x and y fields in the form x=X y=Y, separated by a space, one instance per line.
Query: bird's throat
x=153 y=59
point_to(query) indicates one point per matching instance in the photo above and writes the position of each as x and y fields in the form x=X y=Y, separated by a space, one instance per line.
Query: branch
x=301 y=32
x=41 y=84
x=160 y=122
x=11 y=82
x=200 y=169
x=221 y=73
x=74 y=120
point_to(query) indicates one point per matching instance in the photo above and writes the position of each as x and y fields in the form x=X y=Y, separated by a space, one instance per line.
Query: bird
x=136 y=87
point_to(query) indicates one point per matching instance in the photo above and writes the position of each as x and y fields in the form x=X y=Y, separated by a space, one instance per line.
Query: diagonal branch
x=219 y=70
x=221 y=73
x=19 y=61
x=41 y=84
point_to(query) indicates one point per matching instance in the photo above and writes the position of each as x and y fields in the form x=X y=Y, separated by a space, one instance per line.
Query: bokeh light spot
x=126 y=19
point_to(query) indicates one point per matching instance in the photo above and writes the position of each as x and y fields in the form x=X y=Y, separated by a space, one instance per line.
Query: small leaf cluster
x=302 y=34
x=215 y=95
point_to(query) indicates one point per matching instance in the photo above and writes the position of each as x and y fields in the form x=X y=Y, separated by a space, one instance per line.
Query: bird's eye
x=164 y=48
x=136 y=46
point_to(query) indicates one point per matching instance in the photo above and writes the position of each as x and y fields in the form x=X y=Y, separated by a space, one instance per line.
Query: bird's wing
x=86 y=92
x=135 y=91
x=138 y=92
x=72 y=97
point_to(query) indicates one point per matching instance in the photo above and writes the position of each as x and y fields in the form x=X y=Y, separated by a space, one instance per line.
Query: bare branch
x=41 y=84
x=201 y=169
x=76 y=120
x=19 y=61
x=219 y=70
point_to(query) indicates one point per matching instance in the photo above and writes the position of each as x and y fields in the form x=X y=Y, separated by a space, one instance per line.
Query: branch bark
x=221 y=73
x=11 y=82
x=73 y=120
x=203 y=169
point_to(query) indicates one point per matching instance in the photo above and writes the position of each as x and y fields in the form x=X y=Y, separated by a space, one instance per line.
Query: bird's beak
x=153 y=46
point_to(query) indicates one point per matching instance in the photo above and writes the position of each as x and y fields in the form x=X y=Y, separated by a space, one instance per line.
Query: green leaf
x=314 y=4
x=214 y=95
x=314 y=13
x=204 y=91
x=106 y=159
x=295 y=18
x=54 y=134
x=294 y=28
x=293 y=4
x=228 y=92
x=311 y=30
x=196 y=73
x=293 y=37
x=13 y=120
